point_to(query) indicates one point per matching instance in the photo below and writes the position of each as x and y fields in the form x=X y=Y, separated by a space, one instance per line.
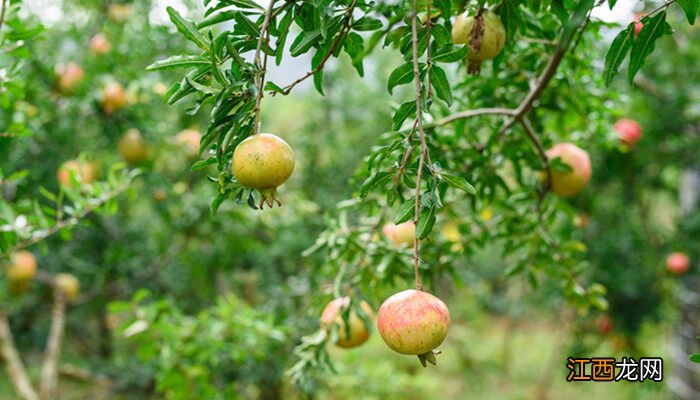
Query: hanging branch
x=49 y=375
x=341 y=35
x=421 y=131
x=13 y=362
x=262 y=66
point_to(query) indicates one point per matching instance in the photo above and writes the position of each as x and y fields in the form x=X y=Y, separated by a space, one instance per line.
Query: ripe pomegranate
x=603 y=324
x=483 y=33
x=629 y=131
x=401 y=234
x=69 y=284
x=83 y=172
x=113 y=97
x=99 y=44
x=132 y=147
x=359 y=331
x=263 y=162
x=22 y=267
x=569 y=183
x=413 y=322
x=69 y=76
x=678 y=263
x=189 y=139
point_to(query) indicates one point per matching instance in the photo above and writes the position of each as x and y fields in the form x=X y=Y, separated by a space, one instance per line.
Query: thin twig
x=13 y=362
x=469 y=114
x=49 y=369
x=424 y=146
x=264 y=36
x=428 y=63
x=341 y=35
x=2 y=12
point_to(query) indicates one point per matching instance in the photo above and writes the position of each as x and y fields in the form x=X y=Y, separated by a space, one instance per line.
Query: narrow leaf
x=178 y=62
x=438 y=80
x=400 y=76
x=188 y=29
x=617 y=53
x=653 y=29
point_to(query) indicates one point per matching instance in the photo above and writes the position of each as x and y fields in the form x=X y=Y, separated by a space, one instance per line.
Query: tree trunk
x=13 y=362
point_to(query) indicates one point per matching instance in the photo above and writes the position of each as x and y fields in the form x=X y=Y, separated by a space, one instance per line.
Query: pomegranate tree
x=132 y=147
x=678 y=263
x=414 y=322
x=401 y=234
x=483 y=33
x=628 y=131
x=263 y=162
x=358 y=331
x=570 y=182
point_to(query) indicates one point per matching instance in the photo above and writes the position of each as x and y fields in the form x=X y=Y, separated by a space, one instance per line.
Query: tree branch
x=13 y=362
x=341 y=35
x=2 y=12
x=49 y=375
x=264 y=35
x=421 y=131
x=469 y=114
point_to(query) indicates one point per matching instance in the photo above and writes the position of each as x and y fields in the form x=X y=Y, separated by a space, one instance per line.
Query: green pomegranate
x=483 y=33
x=263 y=162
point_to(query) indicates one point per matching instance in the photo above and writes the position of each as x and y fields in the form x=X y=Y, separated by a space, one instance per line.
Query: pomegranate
x=678 y=263
x=69 y=284
x=22 y=267
x=628 y=131
x=483 y=33
x=359 y=331
x=83 y=172
x=569 y=183
x=113 y=97
x=401 y=234
x=189 y=139
x=69 y=76
x=413 y=322
x=263 y=162
x=99 y=44
x=119 y=12
x=132 y=147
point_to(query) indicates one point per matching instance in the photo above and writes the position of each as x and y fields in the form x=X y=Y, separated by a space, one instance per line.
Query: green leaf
x=450 y=53
x=367 y=24
x=188 y=29
x=226 y=15
x=303 y=42
x=404 y=111
x=178 y=62
x=690 y=8
x=459 y=183
x=373 y=181
x=438 y=80
x=617 y=53
x=247 y=25
x=426 y=221
x=201 y=164
x=695 y=358
x=201 y=88
x=218 y=201
x=653 y=29
x=244 y=4
x=400 y=76
x=441 y=34
x=445 y=7
x=406 y=211
x=272 y=87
